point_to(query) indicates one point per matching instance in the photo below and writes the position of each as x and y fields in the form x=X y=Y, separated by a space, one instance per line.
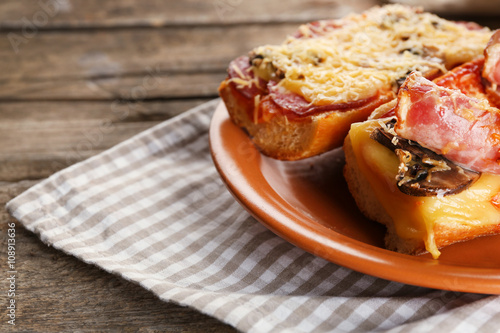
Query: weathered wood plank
x=85 y=137
x=33 y=150
x=68 y=112
x=55 y=292
x=33 y=165
x=127 y=64
x=131 y=88
x=58 y=14
x=40 y=138
x=131 y=52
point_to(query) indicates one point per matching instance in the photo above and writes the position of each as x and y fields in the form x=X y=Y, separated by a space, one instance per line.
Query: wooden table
x=78 y=77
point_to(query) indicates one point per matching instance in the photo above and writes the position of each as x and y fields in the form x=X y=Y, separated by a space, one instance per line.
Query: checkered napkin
x=154 y=211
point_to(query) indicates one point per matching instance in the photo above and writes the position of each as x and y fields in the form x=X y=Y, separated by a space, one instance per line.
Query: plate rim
x=337 y=248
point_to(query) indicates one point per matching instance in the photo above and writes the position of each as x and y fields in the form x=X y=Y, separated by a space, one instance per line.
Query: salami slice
x=294 y=104
x=241 y=75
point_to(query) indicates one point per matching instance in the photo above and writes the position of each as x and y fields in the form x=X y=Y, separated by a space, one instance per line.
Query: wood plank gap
x=14 y=28
x=127 y=75
x=118 y=99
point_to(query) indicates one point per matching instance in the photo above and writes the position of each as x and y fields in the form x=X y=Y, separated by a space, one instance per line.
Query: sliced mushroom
x=263 y=67
x=421 y=171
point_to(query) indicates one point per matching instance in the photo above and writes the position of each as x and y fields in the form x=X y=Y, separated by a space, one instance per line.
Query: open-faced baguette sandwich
x=298 y=99
x=429 y=166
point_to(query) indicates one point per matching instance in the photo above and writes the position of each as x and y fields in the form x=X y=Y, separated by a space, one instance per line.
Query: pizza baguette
x=429 y=169
x=298 y=99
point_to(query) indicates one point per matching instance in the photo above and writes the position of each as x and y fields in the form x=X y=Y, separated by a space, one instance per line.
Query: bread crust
x=368 y=204
x=298 y=137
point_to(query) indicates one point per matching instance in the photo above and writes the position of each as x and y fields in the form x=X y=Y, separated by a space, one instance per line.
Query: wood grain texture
x=72 y=131
x=129 y=64
x=157 y=13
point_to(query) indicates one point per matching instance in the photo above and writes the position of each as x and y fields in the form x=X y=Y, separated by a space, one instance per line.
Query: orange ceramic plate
x=307 y=203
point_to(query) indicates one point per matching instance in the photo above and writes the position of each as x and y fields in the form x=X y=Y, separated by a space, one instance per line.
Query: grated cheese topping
x=340 y=61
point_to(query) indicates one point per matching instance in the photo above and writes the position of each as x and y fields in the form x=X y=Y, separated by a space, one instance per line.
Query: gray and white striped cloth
x=153 y=210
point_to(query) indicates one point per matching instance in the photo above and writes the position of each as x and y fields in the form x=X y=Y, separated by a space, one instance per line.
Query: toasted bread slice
x=291 y=138
x=299 y=98
x=415 y=224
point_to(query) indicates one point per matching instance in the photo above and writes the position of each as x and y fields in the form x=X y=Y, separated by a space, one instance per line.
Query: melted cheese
x=415 y=217
x=353 y=58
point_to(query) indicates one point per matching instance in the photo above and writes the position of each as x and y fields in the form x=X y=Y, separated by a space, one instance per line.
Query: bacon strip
x=466 y=78
x=491 y=71
x=464 y=129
